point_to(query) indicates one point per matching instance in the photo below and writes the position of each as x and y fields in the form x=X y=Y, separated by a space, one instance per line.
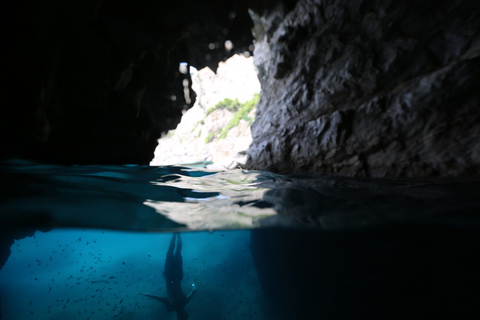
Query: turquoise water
x=257 y=245
x=99 y=274
x=149 y=198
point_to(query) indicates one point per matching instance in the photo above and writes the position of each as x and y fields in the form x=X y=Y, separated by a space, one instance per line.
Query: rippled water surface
x=144 y=198
x=82 y=242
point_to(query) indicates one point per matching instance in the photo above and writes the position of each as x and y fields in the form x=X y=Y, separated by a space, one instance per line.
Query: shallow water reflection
x=144 y=198
x=337 y=247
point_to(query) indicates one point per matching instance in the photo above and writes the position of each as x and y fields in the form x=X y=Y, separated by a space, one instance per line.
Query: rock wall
x=368 y=88
x=98 y=81
x=196 y=137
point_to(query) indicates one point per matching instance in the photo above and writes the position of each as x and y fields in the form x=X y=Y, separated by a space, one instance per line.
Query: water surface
x=86 y=240
x=145 y=198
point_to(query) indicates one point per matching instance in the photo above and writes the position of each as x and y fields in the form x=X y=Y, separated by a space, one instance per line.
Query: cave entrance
x=217 y=128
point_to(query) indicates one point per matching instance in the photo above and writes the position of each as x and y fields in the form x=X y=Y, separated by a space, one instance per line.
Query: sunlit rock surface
x=369 y=88
x=196 y=138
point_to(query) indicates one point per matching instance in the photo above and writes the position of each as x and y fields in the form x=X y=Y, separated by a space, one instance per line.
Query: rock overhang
x=363 y=89
x=93 y=81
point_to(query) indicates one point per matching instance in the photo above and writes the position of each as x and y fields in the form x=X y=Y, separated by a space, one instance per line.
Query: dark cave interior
x=361 y=89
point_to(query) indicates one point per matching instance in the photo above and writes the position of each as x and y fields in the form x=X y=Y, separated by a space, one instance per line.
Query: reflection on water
x=144 y=198
x=319 y=247
x=129 y=197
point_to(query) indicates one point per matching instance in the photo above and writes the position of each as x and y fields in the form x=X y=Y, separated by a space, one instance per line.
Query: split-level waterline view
x=217 y=160
x=94 y=241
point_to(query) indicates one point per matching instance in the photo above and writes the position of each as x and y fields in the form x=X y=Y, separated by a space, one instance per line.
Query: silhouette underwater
x=173 y=274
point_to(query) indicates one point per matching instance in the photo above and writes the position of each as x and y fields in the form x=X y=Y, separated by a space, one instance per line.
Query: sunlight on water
x=143 y=198
x=149 y=198
x=307 y=231
x=206 y=210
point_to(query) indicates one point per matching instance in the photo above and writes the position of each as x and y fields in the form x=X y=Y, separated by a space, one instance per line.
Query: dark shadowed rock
x=99 y=81
x=7 y=238
x=369 y=88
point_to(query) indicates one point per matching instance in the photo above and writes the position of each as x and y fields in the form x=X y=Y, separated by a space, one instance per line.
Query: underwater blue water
x=99 y=274
x=336 y=242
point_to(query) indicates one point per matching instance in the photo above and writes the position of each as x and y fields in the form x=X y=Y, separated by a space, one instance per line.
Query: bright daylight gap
x=216 y=130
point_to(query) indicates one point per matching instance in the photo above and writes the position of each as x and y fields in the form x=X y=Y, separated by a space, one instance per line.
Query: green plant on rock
x=170 y=134
x=242 y=113
x=227 y=103
x=210 y=137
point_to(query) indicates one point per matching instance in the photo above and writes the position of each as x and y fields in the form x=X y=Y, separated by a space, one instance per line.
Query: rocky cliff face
x=198 y=137
x=98 y=81
x=369 y=88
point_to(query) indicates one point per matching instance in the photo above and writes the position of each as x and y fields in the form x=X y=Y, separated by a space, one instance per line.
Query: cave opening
x=363 y=171
x=215 y=131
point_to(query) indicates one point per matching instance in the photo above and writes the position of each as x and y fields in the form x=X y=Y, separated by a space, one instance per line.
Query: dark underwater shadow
x=396 y=272
x=336 y=203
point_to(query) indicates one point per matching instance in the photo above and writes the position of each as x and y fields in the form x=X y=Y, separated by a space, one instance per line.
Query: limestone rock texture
x=98 y=81
x=368 y=88
x=235 y=78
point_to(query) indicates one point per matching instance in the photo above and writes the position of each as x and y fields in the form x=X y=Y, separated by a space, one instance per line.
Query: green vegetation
x=210 y=137
x=241 y=113
x=170 y=134
x=229 y=104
